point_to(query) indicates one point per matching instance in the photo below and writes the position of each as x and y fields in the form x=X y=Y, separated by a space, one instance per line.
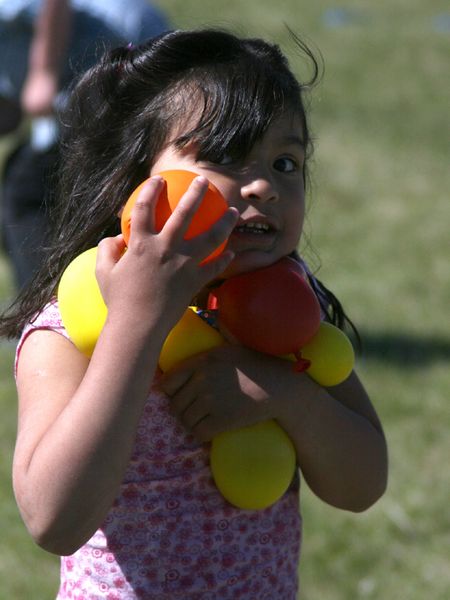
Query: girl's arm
x=77 y=423
x=78 y=418
x=339 y=441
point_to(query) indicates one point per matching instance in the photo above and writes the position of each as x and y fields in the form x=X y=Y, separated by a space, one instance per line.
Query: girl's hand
x=226 y=388
x=336 y=433
x=159 y=273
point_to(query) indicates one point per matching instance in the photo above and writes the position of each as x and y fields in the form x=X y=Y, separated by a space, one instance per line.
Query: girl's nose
x=259 y=188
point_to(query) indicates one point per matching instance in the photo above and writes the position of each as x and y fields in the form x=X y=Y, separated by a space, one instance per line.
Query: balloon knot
x=213 y=302
x=301 y=364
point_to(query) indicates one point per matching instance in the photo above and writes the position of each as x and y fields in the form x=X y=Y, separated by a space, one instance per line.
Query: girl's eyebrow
x=294 y=140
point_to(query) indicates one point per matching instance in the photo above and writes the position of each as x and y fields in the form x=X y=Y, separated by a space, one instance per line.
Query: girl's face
x=266 y=187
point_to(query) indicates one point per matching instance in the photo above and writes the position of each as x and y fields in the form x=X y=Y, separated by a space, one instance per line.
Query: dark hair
x=122 y=112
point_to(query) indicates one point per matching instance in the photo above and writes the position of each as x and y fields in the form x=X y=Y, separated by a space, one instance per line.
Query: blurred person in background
x=44 y=46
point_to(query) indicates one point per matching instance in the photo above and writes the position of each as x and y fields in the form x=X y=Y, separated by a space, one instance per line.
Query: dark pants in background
x=26 y=198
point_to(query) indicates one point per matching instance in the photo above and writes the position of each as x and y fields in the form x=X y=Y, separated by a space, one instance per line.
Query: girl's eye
x=285 y=165
x=217 y=161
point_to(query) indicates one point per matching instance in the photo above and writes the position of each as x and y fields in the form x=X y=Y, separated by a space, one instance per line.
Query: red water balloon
x=272 y=310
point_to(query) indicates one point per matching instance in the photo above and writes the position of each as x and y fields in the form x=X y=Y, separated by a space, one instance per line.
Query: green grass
x=379 y=222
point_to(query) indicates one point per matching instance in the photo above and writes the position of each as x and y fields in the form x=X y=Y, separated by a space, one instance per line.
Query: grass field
x=379 y=221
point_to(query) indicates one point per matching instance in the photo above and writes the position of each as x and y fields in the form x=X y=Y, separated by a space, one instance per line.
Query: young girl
x=111 y=465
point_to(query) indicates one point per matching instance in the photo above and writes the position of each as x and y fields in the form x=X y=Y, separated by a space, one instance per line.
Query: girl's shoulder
x=48 y=318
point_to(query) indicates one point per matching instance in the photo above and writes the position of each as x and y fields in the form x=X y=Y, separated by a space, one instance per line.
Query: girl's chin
x=248 y=261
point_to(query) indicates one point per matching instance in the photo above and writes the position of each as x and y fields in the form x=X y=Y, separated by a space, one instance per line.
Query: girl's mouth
x=253 y=228
x=253 y=234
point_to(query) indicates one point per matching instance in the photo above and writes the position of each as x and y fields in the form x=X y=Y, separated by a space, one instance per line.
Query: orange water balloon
x=212 y=207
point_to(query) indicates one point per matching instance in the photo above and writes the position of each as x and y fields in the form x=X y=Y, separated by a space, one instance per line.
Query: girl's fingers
x=215 y=267
x=109 y=253
x=178 y=223
x=172 y=381
x=187 y=405
x=176 y=227
x=182 y=399
x=203 y=244
x=143 y=212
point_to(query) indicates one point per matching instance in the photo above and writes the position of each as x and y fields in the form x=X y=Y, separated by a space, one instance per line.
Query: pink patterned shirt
x=170 y=534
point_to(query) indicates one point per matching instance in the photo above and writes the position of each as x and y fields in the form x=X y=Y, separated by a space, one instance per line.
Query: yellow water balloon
x=331 y=354
x=253 y=466
x=190 y=336
x=81 y=305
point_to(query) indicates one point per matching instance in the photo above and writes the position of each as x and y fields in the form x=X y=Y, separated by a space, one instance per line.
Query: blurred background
x=377 y=231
